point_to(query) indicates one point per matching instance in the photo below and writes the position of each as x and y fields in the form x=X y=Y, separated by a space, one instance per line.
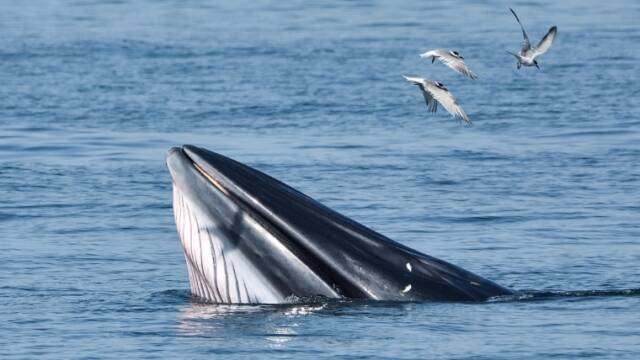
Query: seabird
x=527 y=55
x=434 y=93
x=452 y=59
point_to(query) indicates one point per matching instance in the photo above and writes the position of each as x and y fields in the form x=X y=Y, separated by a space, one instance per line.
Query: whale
x=249 y=238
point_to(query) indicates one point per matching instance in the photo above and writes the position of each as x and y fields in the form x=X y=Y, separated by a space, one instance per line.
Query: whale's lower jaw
x=250 y=239
x=216 y=275
x=219 y=270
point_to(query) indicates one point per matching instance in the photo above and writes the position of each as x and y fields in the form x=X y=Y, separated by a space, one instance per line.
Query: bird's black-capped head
x=456 y=54
x=440 y=85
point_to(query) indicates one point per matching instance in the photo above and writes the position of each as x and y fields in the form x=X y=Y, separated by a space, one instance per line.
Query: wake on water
x=519 y=296
x=533 y=295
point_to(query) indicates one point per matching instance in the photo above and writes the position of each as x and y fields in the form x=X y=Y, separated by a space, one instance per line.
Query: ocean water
x=541 y=194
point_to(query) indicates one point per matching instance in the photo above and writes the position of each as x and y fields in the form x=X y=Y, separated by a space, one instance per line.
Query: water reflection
x=275 y=324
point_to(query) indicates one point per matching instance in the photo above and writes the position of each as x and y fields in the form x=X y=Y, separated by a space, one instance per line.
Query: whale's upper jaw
x=249 y=238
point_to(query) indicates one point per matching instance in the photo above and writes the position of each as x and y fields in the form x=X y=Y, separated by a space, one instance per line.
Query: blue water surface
x=541 y=194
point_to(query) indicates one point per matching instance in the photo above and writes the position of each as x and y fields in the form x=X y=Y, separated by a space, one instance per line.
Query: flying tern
x=452 y=59
x=436 y=93
x=527 y=55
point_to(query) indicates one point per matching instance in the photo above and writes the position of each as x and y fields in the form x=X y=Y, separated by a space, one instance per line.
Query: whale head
x=249 y=238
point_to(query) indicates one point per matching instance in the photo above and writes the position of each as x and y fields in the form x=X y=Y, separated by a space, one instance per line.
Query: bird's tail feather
x=412 y=79
x=514 y=54
x=426 y=54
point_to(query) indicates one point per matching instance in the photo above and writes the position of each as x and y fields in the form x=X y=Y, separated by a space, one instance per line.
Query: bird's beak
x=461 y=58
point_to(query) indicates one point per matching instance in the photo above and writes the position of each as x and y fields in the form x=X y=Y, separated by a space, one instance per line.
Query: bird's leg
x=519 y=65
x=433 y=59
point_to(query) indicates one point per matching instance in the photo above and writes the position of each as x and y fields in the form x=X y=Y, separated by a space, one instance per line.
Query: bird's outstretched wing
x=526 y=44
x=446 y=99
x=546 y=42
x=432 y=105
x=456 y=63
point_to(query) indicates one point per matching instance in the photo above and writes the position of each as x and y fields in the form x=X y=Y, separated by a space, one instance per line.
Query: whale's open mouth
x=249 y=238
